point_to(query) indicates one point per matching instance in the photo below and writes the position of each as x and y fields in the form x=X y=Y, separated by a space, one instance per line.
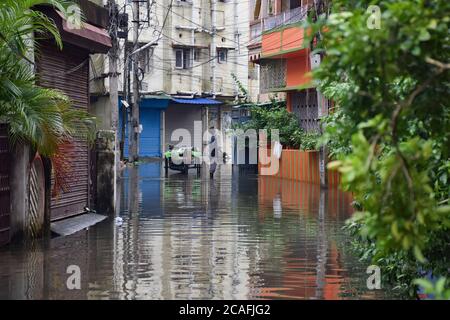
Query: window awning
x=202 y=101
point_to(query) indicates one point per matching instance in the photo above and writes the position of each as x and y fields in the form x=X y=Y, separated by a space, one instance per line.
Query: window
x=183 y=58
x=294 y=4
x=197 y=54
x=222 y=55
x=257 y=10
x=252 y=71
x=179 y=58
x=145 y=59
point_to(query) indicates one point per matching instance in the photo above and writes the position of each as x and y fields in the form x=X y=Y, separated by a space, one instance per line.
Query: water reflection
x=234 y=237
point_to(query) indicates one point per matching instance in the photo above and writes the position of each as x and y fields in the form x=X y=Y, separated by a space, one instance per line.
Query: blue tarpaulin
x=203 y=101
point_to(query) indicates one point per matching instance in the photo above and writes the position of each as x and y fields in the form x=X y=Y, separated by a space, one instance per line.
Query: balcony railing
x=272 y=75
x=255 y=32
x=286 y=17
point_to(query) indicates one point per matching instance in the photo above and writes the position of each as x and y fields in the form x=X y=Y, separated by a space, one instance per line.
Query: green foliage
x=242 y=89
x=390 y=133
x=338 y=128
x=437 y=289
x=278 y=117
x=41 y=117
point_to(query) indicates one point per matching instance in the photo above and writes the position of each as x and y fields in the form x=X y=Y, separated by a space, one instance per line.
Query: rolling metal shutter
x=183 y=116
x=150 y=138
x=150 y=141
x=5 y=206
x=68 y=71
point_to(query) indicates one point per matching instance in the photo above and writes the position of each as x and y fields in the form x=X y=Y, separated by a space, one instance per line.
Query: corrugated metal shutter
x=68 y=71
x=150 y=138
x=150 y=141
x=183 y=116
x=5 y=205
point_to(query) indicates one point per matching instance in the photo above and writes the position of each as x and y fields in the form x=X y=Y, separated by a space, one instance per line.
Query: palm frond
x=42 y=117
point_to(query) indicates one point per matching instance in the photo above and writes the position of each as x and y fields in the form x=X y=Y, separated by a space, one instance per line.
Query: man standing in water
x=212 y=153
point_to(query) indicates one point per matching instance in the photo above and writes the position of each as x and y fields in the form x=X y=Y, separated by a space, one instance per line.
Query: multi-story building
x=284 y=58
x=186 y=75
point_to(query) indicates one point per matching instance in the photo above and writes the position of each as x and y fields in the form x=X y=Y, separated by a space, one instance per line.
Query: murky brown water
x=236 y=237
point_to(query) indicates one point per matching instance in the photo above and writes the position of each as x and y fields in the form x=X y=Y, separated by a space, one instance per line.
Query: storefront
x=151 y=115
x=67 y=69
x=188 y=116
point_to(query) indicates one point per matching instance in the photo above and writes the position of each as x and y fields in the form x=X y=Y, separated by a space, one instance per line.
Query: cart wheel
x=166 y=167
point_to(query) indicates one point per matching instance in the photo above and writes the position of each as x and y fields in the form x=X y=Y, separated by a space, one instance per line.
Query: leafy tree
x=390 y=136
x=276 y=116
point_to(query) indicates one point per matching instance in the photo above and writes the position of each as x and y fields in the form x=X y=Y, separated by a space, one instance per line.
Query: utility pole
x=134 y=130
x=213 y=47
x=113 y=55
x=107 y=157
x=126 y=92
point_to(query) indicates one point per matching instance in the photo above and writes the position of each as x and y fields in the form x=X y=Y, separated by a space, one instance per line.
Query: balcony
x=273 y=76
x=255 y=32
x=285 y=18
x=291 y=72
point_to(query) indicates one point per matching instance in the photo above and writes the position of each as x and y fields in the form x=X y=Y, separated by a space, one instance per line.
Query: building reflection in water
x=187 y=237
x=313 y=267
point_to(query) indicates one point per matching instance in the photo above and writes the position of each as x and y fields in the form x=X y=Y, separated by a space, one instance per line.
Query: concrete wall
x=19 y=189
x=100 y=108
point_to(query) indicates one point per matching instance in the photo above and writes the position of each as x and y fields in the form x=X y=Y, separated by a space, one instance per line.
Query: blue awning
x=151 y=101
x=154 y=103
x=203 y=101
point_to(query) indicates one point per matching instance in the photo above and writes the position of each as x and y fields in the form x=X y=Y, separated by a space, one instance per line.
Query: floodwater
x=238 y=236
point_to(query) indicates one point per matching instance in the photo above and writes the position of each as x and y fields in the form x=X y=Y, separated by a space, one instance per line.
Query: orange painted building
x=289 y=45
x=286 y=56
x=286 y=62
x=285 y=67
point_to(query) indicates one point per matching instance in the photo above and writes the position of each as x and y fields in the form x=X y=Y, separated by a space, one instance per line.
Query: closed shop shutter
x=150 y=138
x=68 y=71
x=183 y=116
x=5 y=205
x=150 y=142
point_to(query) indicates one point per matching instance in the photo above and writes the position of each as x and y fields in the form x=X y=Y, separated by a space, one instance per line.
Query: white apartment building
x=198 y=46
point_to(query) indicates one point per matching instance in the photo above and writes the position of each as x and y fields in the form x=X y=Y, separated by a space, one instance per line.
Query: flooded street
x=188 y=237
